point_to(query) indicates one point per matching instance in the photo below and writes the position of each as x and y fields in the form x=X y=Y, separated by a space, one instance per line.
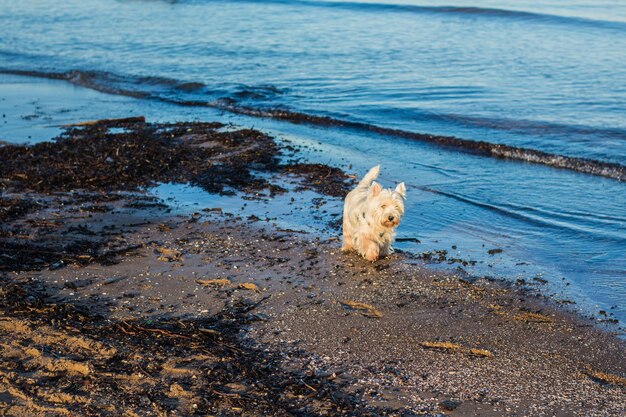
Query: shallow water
x=548 y=77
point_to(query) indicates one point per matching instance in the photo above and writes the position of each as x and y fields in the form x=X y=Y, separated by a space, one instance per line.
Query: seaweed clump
x=128 y=154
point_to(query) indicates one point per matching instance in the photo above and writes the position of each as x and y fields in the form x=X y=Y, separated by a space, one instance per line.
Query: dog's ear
x=374 y=190
x=401 y=189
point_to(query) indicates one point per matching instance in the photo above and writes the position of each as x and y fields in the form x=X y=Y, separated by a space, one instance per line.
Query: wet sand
x=113 y=304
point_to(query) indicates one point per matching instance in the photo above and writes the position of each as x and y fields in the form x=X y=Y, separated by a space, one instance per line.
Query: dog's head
x=386 y=206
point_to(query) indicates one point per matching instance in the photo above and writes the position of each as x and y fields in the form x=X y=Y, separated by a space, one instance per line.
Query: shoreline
x=48 y=105
x=319 y=332
x=587 y=166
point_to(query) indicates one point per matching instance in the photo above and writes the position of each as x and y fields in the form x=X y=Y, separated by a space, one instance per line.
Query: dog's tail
x=369 y=177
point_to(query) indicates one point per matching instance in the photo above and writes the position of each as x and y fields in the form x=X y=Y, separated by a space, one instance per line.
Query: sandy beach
x=115 y=304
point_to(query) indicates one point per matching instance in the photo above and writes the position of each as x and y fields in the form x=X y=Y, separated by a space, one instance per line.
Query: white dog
x=371 y=215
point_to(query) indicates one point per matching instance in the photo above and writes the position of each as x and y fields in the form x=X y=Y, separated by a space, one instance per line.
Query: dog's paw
x=346 y=248
x=372 y=253
x=371 y=257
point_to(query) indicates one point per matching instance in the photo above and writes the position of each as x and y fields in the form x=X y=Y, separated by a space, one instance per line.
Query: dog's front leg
x=386 y=249
x=347 y=245
x=372 y=251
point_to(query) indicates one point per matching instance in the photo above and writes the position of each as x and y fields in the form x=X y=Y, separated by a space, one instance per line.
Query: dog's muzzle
x=391 y=221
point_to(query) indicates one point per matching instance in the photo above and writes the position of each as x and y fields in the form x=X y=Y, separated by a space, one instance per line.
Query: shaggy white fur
x=371 y=215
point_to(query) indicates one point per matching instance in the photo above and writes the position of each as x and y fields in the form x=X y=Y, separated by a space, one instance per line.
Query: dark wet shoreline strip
x=483 y=148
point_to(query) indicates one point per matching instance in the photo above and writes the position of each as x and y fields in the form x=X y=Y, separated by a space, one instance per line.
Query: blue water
x=548 y=76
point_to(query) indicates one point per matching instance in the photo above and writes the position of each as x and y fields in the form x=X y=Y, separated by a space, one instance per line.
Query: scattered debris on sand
x=184 y=367
x=456 y=347
x=365 y=309
x=112 y=304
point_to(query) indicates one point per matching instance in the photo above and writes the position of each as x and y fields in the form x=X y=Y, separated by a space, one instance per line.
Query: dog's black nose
x=390 y=218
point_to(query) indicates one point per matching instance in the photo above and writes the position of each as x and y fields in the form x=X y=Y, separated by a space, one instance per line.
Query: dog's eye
x=383 y=207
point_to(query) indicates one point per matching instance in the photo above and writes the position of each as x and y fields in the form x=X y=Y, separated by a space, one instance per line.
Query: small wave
x=128 y=86
x=583 y=165
x=261 y=92
x=529 y=126
x=531 y=216
x=457 y=10
x=569 y=215
x=95 y=80
x=109 y=83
